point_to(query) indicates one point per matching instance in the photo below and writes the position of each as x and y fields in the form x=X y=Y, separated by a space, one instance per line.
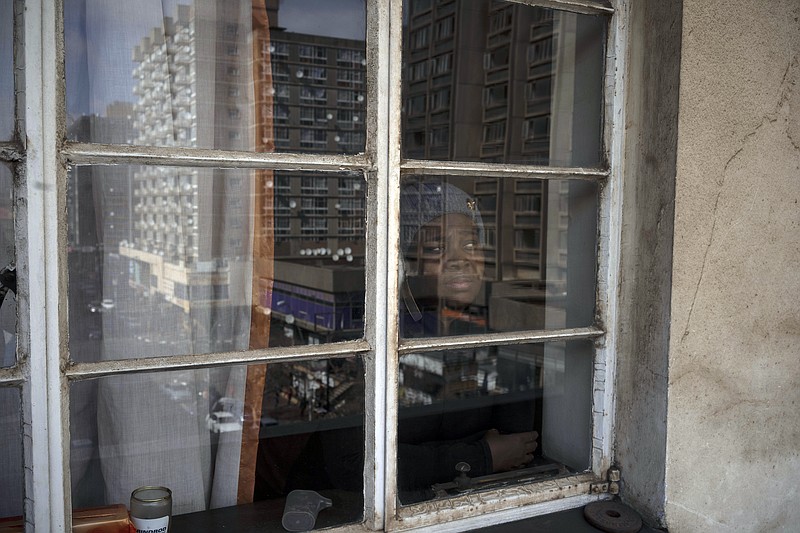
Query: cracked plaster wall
x=733 y=430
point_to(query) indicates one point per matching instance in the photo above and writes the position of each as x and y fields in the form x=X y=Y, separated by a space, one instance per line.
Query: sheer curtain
x=174 y=245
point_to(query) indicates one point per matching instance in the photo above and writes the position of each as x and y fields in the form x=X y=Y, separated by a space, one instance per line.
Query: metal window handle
x=462 y=480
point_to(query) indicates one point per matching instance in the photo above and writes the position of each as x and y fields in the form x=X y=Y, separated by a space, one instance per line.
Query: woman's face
x=450 y=250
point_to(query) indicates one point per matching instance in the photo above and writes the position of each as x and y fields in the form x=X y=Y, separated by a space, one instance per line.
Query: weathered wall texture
x=733 y=431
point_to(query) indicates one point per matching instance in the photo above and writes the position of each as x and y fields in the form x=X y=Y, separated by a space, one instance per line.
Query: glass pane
x=511 y=413
x=166 y=260
x=487 y=254
x=11 y=472
x=502 y=82
x=244 y=75
x=215 y=437
x=8 y=279
x=6 y=70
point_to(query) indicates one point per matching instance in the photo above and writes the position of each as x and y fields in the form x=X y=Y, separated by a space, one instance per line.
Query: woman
x=442 y=239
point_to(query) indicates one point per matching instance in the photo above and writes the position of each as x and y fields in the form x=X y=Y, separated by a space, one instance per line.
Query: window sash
x=43 y=329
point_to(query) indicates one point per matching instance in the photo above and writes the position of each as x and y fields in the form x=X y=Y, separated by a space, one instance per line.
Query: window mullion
x=587 y=7
x=380 y=299
x=494 y=339
x=609 y=239
x=216 y=359
x=489 y=170
x=394 y=107
x=51 y=499
x=90 y=153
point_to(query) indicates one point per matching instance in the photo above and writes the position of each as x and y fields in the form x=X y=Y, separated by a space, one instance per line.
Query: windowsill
x=266 y=515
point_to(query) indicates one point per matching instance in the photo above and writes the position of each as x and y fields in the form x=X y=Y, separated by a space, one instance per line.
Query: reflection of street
x=429 y=378
x=85 y=287
x=313 y=390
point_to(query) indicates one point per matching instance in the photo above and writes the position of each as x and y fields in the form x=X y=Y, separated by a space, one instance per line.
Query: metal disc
x=612 y=517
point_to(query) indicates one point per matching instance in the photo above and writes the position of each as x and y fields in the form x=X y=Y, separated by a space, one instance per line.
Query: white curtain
x=175 y=245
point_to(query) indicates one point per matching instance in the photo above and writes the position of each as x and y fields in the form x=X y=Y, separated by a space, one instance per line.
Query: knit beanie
x=423 y=201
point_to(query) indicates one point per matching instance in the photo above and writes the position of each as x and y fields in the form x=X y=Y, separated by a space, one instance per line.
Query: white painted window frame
x=43 y=370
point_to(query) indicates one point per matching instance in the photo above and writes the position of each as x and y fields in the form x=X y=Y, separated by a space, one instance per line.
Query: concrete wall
x=733 y=428
x=646 y=267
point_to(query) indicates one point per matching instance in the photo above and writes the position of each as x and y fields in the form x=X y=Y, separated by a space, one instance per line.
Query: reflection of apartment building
x=315 y=220
x=319 y=89
x=504 y=60
x=191 y=225
x=319 y=106
x=111 y=183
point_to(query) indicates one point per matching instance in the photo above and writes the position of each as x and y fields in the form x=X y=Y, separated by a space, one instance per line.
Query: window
x=540 y=51
x=313 y=94
x=237 y=315
x=348 y=78
x=315 y=54
x=280 y=113
x=444 y=28
x=313 y=74
x=280 y=72
x=350 y=58
x=420 y=38
x=496 y=95
x=279 y=50
x=313 y=138
x=494 y=132
x=440 y=136
x=500 y=20
x=419 y=71
x=496 y=58
x=416 y=105
x=314 y=206
x=440 y=99
x=314 y=185
x=281 y=92
x=442 y=64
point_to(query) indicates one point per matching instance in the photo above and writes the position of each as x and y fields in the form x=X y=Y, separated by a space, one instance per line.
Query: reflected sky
x=6 y=79
x=90 y=24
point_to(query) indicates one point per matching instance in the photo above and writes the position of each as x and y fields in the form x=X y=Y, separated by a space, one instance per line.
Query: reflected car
x=222 y=422
x=226 y=415
x=100 y=306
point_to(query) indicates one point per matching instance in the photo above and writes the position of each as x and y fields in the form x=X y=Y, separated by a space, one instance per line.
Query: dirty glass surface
x=502 y=82
x=477 y=419
x=491 y=255
x=169 y=260
x=8 y=297
x=6 y=70
x=243 y=75
x=214 y=435
x=11 y=473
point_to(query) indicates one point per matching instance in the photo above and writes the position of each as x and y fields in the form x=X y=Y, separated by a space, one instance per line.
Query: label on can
x=151 y=525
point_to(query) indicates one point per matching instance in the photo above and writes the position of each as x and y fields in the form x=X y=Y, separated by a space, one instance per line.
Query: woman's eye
x=431 y=250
